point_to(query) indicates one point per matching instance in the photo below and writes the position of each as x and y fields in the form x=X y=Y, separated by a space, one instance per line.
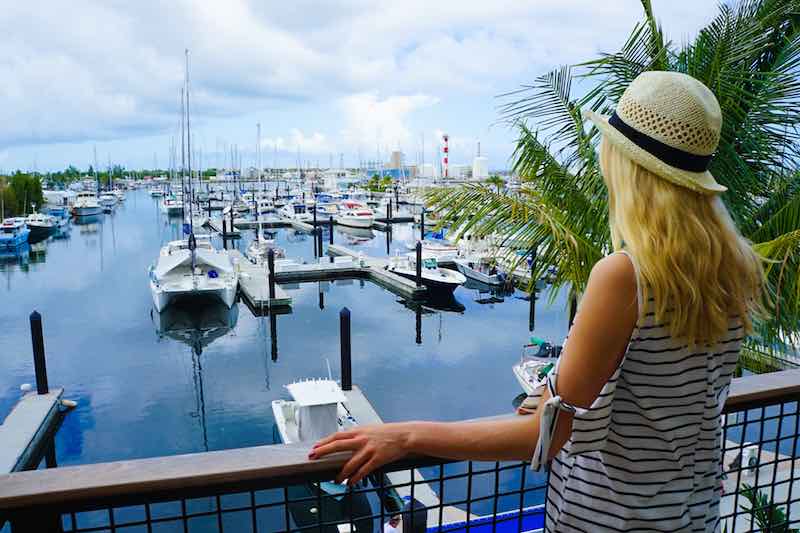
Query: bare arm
x=597 y=341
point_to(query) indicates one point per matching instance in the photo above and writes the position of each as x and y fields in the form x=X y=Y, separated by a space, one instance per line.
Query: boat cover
x=208 y=258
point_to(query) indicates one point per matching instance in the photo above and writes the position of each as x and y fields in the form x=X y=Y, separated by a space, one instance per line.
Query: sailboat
x=192 y=268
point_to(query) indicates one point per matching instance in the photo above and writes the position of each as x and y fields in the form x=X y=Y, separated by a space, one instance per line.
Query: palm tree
x=749 y=55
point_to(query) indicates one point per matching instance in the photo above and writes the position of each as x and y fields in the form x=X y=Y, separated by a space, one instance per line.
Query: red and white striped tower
x=446 y=149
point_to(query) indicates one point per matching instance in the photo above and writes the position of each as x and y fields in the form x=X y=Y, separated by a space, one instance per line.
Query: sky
x=352 y=77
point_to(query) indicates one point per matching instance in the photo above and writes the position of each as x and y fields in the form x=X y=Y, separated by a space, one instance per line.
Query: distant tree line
x=19 y=194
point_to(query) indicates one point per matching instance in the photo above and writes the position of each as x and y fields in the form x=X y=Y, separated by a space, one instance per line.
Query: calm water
x=150 y=385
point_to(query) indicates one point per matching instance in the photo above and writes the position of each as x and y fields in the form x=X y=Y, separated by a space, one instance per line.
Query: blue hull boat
x=13 y=233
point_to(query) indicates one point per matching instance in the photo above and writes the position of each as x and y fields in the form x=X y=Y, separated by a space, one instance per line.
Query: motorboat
x=108 y=199
x=318 y=408
x=120 y=194
x=14 y=232
x=192 y=269
x=172 y=206
x=434 y=278
x=538 y=359
x=265 y=205
x=440 y=249
x=480 y=269
x=355 y=215
x=86 y=204
x=258 y=249
x=156 y=192
x=41 y=226
x=296 y=211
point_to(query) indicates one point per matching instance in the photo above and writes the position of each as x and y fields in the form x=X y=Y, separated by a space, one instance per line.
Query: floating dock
x=365 y=414
x=254 y=286
x=216 y=225
x=377 y=271
x=25 y=431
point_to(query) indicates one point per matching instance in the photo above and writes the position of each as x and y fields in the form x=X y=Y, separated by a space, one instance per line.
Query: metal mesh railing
x=760 y=490
x=761 y=469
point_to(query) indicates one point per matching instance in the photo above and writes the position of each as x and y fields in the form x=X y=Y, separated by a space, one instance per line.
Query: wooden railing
x=74 y=489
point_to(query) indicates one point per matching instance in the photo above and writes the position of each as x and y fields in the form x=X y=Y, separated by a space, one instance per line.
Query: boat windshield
x=430 y=263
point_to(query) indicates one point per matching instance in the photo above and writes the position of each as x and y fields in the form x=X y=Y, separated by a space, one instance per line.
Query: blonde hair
x=690 y=256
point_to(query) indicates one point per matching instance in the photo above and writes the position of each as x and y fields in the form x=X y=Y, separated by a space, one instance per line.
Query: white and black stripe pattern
x=646 y=456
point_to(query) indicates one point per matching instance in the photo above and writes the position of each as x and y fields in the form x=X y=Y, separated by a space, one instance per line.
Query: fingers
x=354 y=464
x=334 y=447
x=339 y=435
x=362 y=472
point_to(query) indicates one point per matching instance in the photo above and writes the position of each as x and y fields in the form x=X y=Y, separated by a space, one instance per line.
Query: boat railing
x=275 y=488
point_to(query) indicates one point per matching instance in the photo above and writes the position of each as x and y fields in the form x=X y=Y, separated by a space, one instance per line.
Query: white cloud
x=93 y=70
x=315 y=143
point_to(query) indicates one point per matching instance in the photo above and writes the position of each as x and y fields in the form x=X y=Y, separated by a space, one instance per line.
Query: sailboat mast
x=183 y=139
x=188 y=148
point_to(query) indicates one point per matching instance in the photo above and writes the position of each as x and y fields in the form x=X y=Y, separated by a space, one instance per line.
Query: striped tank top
x=646 y=456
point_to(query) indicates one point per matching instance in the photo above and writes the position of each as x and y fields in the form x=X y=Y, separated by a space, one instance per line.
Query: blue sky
x=323 y=78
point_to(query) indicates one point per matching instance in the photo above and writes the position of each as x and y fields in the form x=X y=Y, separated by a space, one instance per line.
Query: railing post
x=345 y=355
x=37 y=339
x=271 y=274
x=419 y=264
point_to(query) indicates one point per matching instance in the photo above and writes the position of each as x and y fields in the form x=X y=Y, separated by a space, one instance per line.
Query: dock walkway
x=253 y=284
x=376 y=271
x=365 y=414
x=23 y=432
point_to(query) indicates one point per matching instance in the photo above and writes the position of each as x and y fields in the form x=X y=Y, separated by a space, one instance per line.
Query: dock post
x=271 y=274
x=318 y=236
x=422 y=224
x=38 y=353
x=232 y=228
x=344 y=339
x=330 y=227
x=419 y=264
x=315 y=213
x=389 y=211
x=314 y=238
x=273 y=336
x=224 y=232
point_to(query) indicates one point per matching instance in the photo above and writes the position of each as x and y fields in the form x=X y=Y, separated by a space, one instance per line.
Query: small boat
x=192 y=269
x=156 y=192
x=296 y=211
x=435 y=278
x=265 y=206
x=441 y=249
x=355 y=215
x=120 y=194
x=86 y=205
x=172 y=206
x=538 y=359
x=258 y=249
x=318 y=408
x=13 y=233
x=41 y=226
x=108 y=199
x=482 y=270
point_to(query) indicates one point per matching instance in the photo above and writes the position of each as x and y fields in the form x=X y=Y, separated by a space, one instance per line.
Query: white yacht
x=435 y=278
x=480 y=269
x=355 y=215
x=296 y=211
x=172 y=206
x=258 y=249
x=41 y=226
x=439 y=249
x=183 y=272
x=86 y=204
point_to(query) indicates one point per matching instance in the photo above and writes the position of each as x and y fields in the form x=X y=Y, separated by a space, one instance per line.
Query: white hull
x=88 y=211
x=355 y=222
x=489 y=279
x=169 y=292
x=441 y=279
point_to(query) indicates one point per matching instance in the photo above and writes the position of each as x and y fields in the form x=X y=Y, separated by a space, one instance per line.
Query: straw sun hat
x=669 y=123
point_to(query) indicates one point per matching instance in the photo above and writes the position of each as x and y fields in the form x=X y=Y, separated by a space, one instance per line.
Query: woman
x=631 y=417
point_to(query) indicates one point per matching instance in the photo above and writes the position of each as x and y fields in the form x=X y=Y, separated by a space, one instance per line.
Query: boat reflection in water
x=356 y=235
x=489 y=294
x=87 y=220
x=196 y=325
